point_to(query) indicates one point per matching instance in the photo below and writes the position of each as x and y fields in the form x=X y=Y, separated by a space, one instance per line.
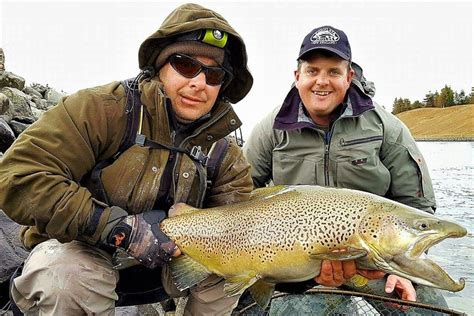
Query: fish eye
x=423 y=226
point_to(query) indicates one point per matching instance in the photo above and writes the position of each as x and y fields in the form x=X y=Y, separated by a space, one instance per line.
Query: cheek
x=343 y=86
x=303 y=84
x=213 y=92
x=171 y=81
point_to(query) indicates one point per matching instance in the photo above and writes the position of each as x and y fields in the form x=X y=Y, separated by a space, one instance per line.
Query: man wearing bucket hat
x=90 y=204
x=330 y=132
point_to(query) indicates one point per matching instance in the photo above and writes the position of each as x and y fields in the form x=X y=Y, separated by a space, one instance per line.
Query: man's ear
x=297 y=74
x=350 y=75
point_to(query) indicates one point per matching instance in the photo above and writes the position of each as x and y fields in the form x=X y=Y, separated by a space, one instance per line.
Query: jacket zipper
x=360 y=140
x=327 y=141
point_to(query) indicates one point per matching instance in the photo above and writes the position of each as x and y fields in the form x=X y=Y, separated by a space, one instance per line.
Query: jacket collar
x=292 y=115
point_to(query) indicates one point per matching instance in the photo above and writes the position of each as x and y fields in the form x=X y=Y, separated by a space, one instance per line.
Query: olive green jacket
x=41 y=173
x=366 y=149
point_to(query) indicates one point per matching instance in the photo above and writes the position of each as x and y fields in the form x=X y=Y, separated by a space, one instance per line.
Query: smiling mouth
x=191 y=99
x=322 y=93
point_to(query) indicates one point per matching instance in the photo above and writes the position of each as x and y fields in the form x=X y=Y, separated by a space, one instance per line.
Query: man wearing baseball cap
x=330 y=132
x=93 y=178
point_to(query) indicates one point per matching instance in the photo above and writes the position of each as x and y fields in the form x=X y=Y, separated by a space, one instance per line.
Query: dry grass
x=452 y=123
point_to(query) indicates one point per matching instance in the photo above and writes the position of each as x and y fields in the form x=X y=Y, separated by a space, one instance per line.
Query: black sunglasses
x=190 y=68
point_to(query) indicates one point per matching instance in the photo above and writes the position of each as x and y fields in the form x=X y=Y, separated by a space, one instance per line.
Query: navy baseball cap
x=328 y=38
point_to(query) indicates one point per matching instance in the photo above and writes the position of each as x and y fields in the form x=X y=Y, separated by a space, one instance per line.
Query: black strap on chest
x=93 y=179
x=215 y=161
x=133 y=115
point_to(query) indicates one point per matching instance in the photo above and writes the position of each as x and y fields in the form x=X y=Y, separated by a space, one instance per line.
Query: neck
x=322 y=121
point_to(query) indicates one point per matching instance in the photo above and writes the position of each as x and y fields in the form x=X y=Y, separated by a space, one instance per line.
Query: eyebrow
x=309 y=67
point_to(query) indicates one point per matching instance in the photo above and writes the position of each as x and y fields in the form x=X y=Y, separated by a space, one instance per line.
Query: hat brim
x=332 y=50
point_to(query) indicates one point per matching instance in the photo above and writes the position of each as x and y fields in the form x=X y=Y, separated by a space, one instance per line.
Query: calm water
x=452 y=171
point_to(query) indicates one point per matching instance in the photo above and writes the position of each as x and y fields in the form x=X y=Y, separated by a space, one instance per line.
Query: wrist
x=116 y=225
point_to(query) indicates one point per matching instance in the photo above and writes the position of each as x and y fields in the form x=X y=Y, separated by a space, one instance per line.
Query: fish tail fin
x=262 y=293
x=187 y=272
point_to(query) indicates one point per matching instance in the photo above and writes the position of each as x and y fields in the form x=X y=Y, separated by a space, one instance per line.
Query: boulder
x=18 y=127
x=21 y=105
x=37 y=112
x=5 y=108
x=2 y=60
x=7 y=136
x=4 y=104
x=52 y=96
x=40 y=88
x=39 y=103
x=11 y=248
x=9 y=79
x=31 y=91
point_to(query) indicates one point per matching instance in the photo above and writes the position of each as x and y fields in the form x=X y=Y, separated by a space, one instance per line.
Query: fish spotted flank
x=283 y=233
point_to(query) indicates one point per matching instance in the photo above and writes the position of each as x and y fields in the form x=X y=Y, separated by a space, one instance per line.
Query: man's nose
x=322 y=79
x=199 y=82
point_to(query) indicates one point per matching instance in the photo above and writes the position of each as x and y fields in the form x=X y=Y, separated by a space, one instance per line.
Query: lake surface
x=452 y=171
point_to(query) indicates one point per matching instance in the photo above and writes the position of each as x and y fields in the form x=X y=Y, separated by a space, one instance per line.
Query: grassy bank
x=454 y=123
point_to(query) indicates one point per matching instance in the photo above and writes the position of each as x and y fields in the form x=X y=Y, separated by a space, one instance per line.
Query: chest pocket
x=120 y=178
x=296 y=169
x=358 y=165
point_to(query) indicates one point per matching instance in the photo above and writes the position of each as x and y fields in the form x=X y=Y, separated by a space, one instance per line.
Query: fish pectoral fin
x=239 y=283
x=349 y=254
x=262 y=293
x=180 y=209
x=187 y=272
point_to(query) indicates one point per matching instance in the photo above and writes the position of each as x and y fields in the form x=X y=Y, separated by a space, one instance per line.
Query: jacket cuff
x=95 y=223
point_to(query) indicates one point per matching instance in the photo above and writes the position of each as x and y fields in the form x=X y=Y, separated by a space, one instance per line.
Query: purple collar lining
x=287 y=117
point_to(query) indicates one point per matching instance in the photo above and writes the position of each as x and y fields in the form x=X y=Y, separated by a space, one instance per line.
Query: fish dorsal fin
x=181 y=209
x=187 y=272
x=349 y=254
x=239 y=283
x=262 y=292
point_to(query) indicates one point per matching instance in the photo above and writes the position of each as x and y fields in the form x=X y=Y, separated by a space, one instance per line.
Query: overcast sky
x=406 y=48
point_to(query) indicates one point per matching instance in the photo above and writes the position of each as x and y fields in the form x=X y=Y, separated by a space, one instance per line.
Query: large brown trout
x=283 y=233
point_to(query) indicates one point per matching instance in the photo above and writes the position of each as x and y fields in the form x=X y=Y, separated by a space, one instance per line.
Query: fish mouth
x=426 y=272
x=415 y=265
x=429 y=240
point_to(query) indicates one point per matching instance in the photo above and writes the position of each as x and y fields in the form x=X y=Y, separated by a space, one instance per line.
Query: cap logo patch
x=325 y=36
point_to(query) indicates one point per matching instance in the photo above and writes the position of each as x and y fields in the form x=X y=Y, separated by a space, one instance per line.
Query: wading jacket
x=41 y=174
x=366 y=149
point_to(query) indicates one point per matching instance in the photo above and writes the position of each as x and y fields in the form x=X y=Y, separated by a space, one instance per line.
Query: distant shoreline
x=467 y=140
x=451 y=124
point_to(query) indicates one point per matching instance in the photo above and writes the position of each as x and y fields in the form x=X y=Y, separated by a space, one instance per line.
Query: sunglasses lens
x=190 y=68
x=214 y=76
x=186 y=66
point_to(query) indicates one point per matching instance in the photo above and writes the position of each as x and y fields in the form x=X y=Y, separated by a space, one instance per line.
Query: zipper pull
x=173 y=135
